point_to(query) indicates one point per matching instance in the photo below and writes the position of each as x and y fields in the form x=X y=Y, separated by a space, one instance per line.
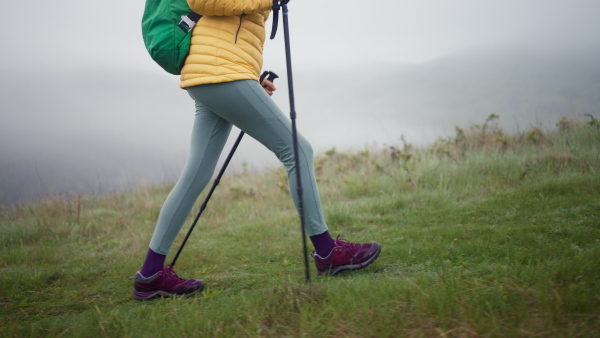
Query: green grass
x=484 y=234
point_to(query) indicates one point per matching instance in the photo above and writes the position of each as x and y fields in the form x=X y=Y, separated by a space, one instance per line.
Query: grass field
x=483 y=234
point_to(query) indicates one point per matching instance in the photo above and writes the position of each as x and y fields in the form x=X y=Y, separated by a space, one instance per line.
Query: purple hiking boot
x=164 y=283
x=347 y=256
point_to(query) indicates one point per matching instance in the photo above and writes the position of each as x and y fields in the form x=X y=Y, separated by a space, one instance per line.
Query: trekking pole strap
x=276 y=8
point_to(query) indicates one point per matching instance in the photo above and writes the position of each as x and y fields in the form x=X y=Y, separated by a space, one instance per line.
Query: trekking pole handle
x=271 y=76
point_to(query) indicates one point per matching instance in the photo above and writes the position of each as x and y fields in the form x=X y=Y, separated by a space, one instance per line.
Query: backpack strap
x=188 y=22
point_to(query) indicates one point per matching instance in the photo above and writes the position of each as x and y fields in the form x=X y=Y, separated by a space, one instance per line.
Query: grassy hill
x=485 y=233
x=139 y=131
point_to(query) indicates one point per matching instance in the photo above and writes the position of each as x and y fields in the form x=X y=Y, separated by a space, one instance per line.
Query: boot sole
x=162 y=294
x=338 y=269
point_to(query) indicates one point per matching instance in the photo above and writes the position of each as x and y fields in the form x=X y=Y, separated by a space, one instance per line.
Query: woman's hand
x=268 y=86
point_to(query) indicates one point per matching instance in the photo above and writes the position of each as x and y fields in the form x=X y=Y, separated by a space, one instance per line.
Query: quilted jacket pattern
x=227 y=43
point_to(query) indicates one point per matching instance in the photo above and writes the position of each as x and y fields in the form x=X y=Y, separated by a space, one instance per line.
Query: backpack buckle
x=186 y=24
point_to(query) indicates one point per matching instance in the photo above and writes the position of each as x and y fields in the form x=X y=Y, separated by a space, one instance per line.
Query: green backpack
x=166 y=29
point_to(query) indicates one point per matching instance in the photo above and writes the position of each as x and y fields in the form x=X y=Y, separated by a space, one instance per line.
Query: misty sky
x=70 y=34
x=75 y=75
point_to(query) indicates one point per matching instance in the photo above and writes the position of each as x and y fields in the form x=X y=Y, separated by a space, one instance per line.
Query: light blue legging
x=246 y=105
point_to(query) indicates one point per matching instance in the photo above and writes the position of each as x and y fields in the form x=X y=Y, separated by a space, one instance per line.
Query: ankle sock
x=323 y=243
x=153 y=263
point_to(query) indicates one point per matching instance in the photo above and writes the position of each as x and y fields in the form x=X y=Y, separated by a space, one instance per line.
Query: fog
x=83 y=109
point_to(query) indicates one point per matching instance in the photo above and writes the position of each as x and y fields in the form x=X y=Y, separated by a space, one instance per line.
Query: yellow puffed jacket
x=227 y=43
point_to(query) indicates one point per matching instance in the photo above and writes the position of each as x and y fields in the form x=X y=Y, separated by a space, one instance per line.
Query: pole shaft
x=212 y=189
x=288 y=56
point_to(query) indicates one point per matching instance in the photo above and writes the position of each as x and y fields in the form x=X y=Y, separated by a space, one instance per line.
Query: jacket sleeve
x=229 y=7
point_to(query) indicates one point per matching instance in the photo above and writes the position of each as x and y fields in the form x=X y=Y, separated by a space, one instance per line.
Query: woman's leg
x=246 y=105
x=209 y=135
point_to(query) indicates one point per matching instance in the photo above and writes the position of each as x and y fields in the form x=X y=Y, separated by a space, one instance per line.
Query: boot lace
x=169 y=273
x=342 y=244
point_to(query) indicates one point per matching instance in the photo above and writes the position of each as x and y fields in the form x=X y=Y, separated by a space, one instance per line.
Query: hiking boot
x=164 y=283
x=346 y=256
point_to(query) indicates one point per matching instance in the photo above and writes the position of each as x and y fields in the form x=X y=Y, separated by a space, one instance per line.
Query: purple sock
x=153 y=263
x=323 y=243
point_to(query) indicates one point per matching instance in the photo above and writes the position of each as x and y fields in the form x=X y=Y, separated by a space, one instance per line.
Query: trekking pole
x=288 y=58
x=271 y=77
x=212 y=189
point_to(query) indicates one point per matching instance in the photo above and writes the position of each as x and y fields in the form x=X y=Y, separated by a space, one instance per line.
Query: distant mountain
x=92 y=131
x=524 y=87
